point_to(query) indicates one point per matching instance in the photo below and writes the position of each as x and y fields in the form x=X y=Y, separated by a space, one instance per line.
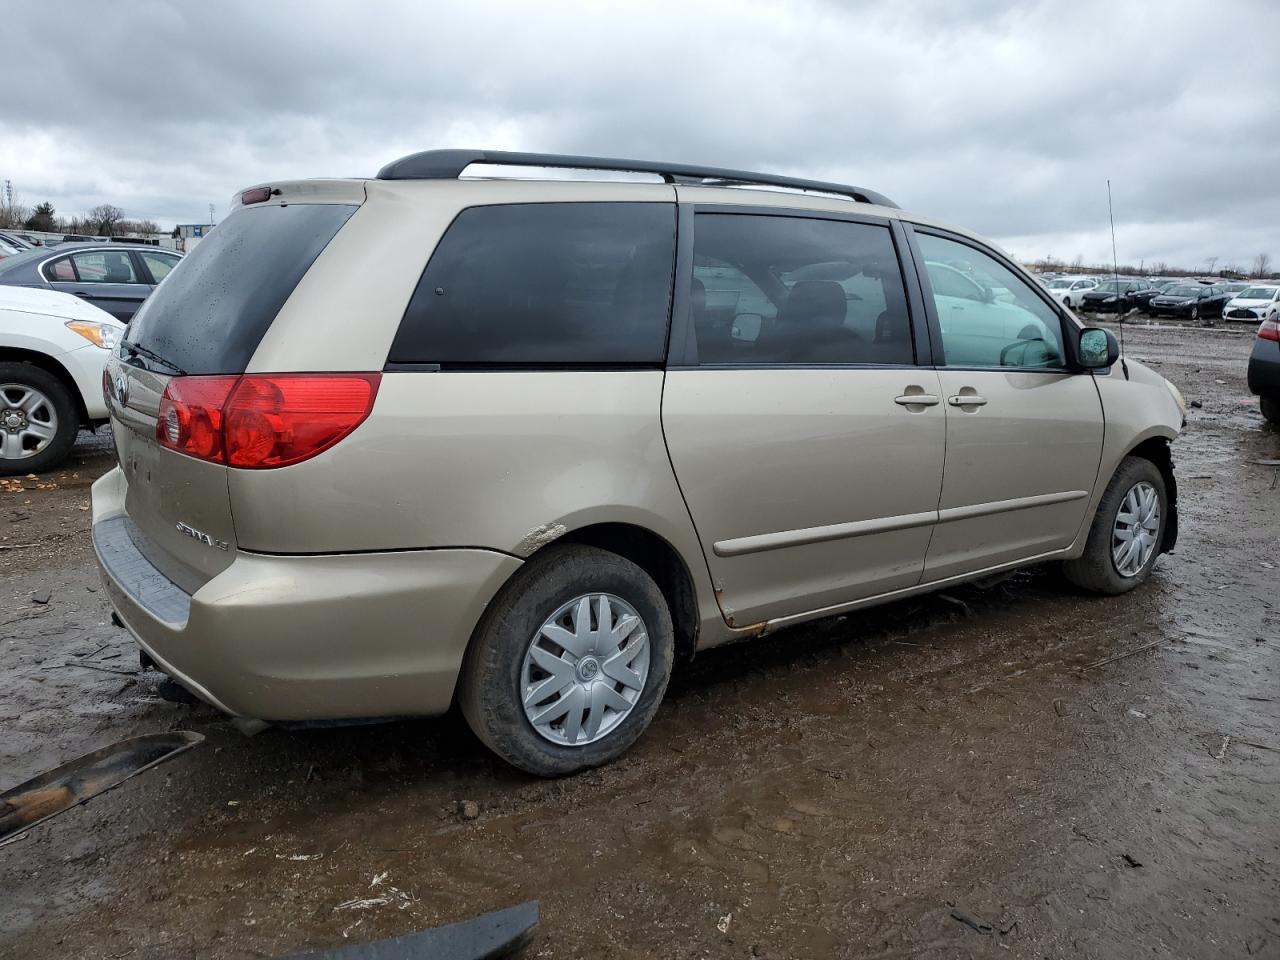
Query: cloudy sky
x=1004 y=117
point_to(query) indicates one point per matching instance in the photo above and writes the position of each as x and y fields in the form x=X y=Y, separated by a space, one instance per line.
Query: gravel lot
x=835 y=790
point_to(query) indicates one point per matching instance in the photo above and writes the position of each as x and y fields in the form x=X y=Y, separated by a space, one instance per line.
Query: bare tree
x=104 y=218
x=1211 y=262
x=1262 y=265
x=1078 y=263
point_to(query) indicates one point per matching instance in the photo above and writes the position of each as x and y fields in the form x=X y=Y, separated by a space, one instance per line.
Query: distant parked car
x=1258 y=302
x=1112 y=296
x=1236 y=287
x=1264 y=369
x=1142 y=299
x=17 y=240
x=114 y=276
x=53 y=348
x=1068 y=290
x=1191 y=300
x=8 y=249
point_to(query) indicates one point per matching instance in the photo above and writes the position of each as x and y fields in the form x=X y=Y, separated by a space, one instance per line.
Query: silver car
x=529 y=445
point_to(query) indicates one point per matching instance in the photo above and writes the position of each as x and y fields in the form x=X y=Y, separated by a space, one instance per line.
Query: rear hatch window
x=212 y=311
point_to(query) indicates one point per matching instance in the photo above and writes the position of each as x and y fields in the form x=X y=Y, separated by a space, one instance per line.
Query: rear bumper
x=1264 y=368
x=339 y=636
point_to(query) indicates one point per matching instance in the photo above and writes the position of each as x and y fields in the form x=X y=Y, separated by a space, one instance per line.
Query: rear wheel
x=1127 y=530
x=1270 y=409
x=1195 y=313
x=38 y=422
x=569 y=663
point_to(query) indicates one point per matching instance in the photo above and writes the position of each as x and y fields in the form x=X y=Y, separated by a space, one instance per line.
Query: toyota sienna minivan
x=530 y=444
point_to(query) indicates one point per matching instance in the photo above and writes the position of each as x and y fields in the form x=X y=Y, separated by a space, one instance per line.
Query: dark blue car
x=116 y=277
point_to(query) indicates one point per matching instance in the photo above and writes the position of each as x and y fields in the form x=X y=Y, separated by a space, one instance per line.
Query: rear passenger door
x=109 y=279
x=1024 y=433
x=805 y=439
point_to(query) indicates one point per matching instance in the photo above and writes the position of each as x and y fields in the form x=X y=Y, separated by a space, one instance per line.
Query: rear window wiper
x=137 y=351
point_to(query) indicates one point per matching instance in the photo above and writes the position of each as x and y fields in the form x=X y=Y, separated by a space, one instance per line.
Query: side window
x=159 y=264
x=60 y=271
x=791 y=290
x=545 y=284
x=1005 y=325
x=105 y=266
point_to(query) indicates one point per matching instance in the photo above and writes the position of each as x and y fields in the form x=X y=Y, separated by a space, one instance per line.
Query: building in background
x=189 y=234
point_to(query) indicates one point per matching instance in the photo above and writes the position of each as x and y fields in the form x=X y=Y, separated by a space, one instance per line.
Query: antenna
x=1115 y=266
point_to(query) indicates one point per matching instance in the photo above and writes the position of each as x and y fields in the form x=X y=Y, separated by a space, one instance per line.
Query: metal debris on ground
x=73 y=783
x=489 y=935
x=974 y=923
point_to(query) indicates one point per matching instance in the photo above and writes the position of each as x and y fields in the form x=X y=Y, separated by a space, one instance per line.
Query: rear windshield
x=212 y=310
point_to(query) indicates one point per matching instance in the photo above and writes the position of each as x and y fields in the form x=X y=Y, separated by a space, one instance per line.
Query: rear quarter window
x=553 y=284
x=214 y=307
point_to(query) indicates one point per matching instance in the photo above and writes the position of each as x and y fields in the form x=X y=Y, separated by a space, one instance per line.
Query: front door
x=806 y=442
x=1024 y=433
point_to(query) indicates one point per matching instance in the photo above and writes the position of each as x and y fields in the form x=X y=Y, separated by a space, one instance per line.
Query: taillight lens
x=259 y=421
x=1270 y=330
x=190 y=417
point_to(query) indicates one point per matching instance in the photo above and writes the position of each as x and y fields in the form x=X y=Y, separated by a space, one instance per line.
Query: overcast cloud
x=1006 y=118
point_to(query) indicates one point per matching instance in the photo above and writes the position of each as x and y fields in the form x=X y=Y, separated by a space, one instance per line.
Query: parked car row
x=1188 y=298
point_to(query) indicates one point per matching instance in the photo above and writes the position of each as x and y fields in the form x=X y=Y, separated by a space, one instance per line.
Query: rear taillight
x=1270 y=330
x=259 y=421
x=191 y=416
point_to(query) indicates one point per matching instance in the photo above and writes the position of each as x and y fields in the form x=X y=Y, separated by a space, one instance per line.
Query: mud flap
x=73 y=783
x=487 y=936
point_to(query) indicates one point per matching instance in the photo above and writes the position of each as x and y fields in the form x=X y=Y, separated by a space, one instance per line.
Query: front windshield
x=1060 y=284
x=1108 y=286
x=1258 y=293
x=1184 y=290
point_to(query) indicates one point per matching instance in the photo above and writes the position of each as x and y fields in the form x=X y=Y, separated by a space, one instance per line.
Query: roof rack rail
x=450 y=164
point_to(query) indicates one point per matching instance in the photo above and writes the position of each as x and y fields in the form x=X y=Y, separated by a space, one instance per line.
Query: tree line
x=104 y=220
x=1261 y=268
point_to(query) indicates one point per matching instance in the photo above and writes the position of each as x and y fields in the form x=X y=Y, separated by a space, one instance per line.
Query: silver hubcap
x=28 y=421
x=585 y=669
x=1133 y=538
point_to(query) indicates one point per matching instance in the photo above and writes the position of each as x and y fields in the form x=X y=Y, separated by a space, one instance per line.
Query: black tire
x=1270 y=409
x=37 y=378
x=490 y=684
x=1195 y=314
x=1095 y=569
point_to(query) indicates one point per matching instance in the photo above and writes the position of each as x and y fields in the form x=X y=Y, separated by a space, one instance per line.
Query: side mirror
x=746 y=327
x=1098 y=349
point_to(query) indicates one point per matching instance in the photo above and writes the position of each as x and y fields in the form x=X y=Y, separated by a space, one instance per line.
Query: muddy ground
x=834 y=790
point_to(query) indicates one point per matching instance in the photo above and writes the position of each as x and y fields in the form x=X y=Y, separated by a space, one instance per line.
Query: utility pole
x=8 y=193
x=211 y=214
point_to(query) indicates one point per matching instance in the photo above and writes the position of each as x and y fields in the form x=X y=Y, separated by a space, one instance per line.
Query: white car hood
x=51 y=303
x=1248 y=303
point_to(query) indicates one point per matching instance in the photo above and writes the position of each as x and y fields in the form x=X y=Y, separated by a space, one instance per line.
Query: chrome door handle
x=967 y=400
x=916 y=400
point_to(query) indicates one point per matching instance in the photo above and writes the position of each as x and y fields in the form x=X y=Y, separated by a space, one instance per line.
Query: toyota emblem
x=122 y=389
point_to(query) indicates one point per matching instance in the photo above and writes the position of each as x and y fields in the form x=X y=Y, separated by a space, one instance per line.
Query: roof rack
x=450 y=164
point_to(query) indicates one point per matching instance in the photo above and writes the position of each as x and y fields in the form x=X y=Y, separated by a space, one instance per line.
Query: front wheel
x=38 y=422
x=1195 y=314
x=569 y=663
x=1270 y=409
x=1127 y=531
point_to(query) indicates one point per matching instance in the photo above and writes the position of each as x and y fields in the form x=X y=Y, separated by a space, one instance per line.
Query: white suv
x=1069 y=291
x=53 y=348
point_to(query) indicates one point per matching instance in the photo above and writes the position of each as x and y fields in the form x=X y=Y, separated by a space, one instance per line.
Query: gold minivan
x=530 y=443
